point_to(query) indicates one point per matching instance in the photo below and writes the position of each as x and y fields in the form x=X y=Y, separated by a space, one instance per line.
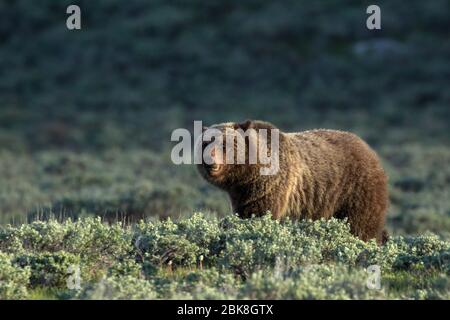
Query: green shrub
x=13 y=279
x=411 y=252
x=311 y=282
x=48 y=269
x=97 y=245
x=200 y=257
x=118 y=288
x=211 y=283
x=178 y=244
x=128 y=267
x=257 y=243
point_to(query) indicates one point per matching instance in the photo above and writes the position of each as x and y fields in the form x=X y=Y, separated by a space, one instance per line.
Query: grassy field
x=85 y=124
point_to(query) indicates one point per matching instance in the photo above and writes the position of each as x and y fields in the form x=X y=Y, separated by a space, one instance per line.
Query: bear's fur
x=322 y=174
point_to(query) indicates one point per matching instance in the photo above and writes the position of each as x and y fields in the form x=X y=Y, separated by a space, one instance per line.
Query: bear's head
x=231 y=153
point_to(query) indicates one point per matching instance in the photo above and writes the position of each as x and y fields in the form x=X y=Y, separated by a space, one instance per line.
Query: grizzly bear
x=322 y=174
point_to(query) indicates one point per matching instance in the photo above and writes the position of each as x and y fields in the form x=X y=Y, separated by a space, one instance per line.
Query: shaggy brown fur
x=323 y=174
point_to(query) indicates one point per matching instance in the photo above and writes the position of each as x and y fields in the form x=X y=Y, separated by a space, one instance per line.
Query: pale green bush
x=403 y=253
x=310 y=282
x=201 y=257
x=180 y=244
x=210 y=283
x=97 y=245
x=13 y=279
x=48 y=269
x=127 y=267
x=257 y=243
x=88 y=236
x=118 y=288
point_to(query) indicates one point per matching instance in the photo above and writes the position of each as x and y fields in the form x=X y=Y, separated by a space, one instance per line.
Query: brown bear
x=322 y=174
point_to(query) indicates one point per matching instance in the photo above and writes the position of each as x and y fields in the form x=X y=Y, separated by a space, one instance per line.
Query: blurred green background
x=86 y=116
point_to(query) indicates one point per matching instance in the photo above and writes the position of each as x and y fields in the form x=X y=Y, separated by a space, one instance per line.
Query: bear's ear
x=244 y=125
x=204 y=128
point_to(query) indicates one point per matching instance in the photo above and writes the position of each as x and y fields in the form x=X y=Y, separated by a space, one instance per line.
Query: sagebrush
x=203 y=257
